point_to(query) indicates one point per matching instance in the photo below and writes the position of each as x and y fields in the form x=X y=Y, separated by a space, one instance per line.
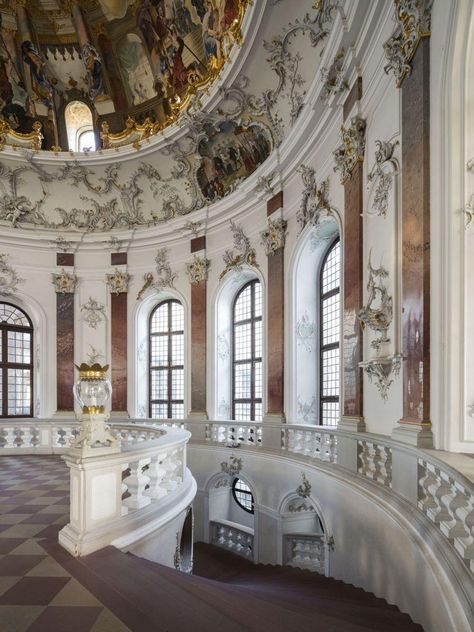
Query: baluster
x=169 y=483
x=18 y=440
x=465 y=544
x=124 y=488
x=136 y=483
x=318 y=447
x=156 y=473
x=440 y=487
x=455 y=499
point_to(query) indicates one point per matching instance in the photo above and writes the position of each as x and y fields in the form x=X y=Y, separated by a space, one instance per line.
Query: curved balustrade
x=233 y=537
x=305 y=551
x=444 y=495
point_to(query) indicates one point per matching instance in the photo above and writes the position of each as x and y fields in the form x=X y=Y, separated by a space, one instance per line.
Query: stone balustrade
x=233 y=537
x=305 y=551
x=441 y=493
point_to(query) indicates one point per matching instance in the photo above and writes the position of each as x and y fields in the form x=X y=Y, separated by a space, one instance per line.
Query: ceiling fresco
x=212 y=149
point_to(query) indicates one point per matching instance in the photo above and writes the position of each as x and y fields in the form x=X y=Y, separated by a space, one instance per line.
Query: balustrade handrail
x=234 y=525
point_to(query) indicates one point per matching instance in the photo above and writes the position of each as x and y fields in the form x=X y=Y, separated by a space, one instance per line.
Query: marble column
x=415 y=425
x=197 y=270
x=117 y=282
x=349 y=158
x=273 y=239
x=64 y=282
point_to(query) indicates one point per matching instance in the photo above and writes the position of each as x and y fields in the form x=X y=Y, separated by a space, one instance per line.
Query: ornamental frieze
x=242 y=254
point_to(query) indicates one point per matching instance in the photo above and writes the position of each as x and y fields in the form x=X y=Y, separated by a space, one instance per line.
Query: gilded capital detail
x=413 y=18
x=118 y=281
x=273 y=238
x=198 y=269
x=64 y=283
x=351 y=151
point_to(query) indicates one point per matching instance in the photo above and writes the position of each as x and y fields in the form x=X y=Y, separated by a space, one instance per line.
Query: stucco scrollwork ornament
x=242 y=254
x=274 y=236
x=177 y=553
x=470 y=410
x=413 y=18
x=193 y=227
x=166 y=277
x=306 y=333
x=63 y=245
x=351 y=151
x=64 y=282
x=264 y=183
x=377 y=313
x=94 y=355
x=333 y=77
x=198 y=269
x=118 y=281
x=147 y=283
x=314 y=202
x=307 y=411
x=94 y=312
x=223 y=409
x=223 y=347
x=232 y=467
x=304 y=490
x=382 y=174
x=468 y=211
x=382 y=372
x=9 y=278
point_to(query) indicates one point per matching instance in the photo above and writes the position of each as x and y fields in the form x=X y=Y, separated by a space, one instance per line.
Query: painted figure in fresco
x=210 y=25
x=93 y=65
x=200 y=8
x=42 y=87
x=231 y=13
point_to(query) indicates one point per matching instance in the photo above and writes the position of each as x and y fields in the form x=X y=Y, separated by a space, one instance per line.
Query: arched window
x=16 y=366
x=79 y=127
x=247 y=354
x=329 y=293
x=242 y=495
x=166 y=353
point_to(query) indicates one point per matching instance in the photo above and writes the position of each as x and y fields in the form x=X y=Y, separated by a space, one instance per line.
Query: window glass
x=329 y=335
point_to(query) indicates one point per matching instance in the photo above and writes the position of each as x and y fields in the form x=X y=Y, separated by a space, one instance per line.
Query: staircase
x=227 y=593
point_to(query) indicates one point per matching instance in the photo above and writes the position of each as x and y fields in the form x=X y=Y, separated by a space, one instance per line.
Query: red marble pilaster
x=416 y=239
x=198 y=337
x=275 y=320
x=119 y=335
x=353 y=295
x=64 y=343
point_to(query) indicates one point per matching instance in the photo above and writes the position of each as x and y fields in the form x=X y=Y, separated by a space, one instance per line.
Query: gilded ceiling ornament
x=383 y=371
x=65 y=282
x=273 y=237
x=147 y=283
x=413 y=18
x=94 y=312
x=9 y=278
x=242 y=254
x=118 y=281
x=333 y=77
x=377 y=313
x=314 y=203
x=382 y=174
x=198 y=269
x=351 y=151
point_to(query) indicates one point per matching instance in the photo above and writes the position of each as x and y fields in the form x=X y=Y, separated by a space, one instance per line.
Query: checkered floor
x=36 y=593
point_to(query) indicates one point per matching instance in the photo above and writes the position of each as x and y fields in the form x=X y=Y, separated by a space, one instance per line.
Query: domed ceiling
x=223 y=81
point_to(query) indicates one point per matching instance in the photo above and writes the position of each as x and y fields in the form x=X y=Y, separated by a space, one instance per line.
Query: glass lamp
x=93 y=389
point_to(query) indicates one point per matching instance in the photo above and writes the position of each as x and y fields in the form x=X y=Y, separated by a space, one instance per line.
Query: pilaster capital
x=273 y=238
x=118 y=281
x=64 y=282
x=198 y=269
x=351 y=151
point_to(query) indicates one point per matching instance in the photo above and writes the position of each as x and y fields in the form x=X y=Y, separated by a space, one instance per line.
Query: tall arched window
x=79 y=127
x=329 y=335
x=16 y=366
x=247 y=383
x=166 y=345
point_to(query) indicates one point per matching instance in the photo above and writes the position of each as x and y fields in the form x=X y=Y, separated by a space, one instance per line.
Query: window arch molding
x=139 y=350
x=302 y=379
x=44 y=389
x=220 y=365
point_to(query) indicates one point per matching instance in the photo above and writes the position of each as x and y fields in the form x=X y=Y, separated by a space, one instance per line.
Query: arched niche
x=79 y=127
x=305 y=269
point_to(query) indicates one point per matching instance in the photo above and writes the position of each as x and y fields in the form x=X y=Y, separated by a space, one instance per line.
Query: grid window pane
x=330 y=413
x=19 y=391
x=331 y=270
x=11 y=315
x=167 y=361
x=243 y=495
x=19 y=347
x=329 y=340
x=247 y=353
